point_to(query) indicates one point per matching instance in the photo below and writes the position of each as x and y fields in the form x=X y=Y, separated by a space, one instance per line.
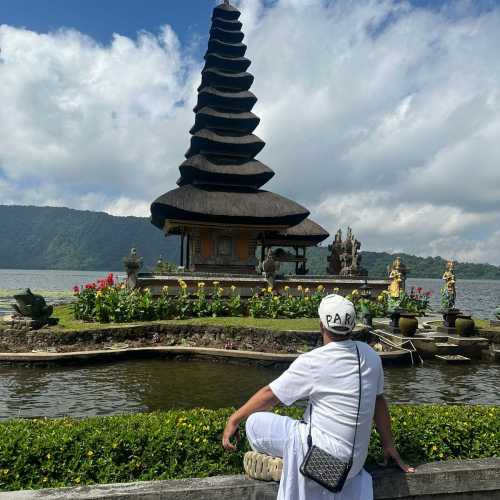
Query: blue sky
x=379 y=114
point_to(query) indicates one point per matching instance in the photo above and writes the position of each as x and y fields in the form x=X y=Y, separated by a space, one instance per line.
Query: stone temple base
x=25 y=323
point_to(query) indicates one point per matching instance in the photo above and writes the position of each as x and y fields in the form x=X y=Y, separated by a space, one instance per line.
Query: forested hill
x=420 y=267
x=61 y=238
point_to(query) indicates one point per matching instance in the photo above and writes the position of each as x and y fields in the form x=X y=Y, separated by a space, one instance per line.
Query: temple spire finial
x=226 y=2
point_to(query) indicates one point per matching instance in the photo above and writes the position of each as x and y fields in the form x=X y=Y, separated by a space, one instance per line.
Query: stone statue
x=32 y=306
x=132 y=264
x=344 y=258
x=449 y=288
x=397 y=275
x=269 y=268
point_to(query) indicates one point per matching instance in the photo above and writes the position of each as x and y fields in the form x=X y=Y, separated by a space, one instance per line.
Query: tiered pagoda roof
x=221 y=179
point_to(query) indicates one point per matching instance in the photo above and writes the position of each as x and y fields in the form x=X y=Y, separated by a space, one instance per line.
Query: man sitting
x=329 y=378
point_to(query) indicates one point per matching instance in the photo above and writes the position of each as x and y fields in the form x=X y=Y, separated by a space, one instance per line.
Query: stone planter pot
x=408 y=324
x=449 y=317
x=394 y=323
x=465 y=326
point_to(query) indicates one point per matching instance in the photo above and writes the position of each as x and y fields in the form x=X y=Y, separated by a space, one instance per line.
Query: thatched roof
x=209 y=96
x=212 y=77
x=245 y=122
x=305 y=233
x=199 y=169
x=226 y=12
x=209 y=142
x=236 y=64
x=226 y=49
x=193 y=203
x=220 y=178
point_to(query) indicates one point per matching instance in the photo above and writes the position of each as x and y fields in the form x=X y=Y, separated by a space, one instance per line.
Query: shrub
x=186 y=443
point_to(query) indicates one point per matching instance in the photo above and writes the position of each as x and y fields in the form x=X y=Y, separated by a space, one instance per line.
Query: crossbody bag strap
x=309 y=436
x=359 y=403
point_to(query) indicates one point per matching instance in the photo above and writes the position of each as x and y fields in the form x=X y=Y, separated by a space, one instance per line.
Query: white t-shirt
x=328 y=377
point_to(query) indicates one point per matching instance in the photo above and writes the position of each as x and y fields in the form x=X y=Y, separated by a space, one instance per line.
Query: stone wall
x=457 y=480
x=166 y=334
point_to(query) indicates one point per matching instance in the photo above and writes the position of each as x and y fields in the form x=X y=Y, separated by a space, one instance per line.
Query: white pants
x=285 y=437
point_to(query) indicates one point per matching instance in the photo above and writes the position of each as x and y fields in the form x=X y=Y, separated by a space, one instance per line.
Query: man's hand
x=229 y=432
x=391 y=453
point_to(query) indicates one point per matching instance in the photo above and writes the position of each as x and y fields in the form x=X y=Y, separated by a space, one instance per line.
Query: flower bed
x=109 y=301
x=186 y=443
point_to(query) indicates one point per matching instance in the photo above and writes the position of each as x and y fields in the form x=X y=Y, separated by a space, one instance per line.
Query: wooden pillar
x=182 y=249
x=188 y=251
x=296 y=262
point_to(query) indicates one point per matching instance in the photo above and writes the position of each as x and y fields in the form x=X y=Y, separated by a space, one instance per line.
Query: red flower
x=428 y=294
x=76 y=289
x=419 y=289
x=90 y=286
x=110 y=281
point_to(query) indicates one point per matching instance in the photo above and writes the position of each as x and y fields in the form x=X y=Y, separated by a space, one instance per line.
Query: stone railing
x=468 y=479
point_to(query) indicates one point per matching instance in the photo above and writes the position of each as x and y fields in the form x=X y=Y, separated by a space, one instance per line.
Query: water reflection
x=144 y=385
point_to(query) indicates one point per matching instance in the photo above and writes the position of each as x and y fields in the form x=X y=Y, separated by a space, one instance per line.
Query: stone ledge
x=467 y=479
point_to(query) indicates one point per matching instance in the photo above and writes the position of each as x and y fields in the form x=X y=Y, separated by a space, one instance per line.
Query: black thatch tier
x=227 y=36
x=226 y=12
x=227 y=49
x=209 y=142
x=200 y=169
x=212 y=77
x=307 y=229
x=237 y=101
x=227 y=24
x=213 y=119
x=227 y=64
x=250 y=207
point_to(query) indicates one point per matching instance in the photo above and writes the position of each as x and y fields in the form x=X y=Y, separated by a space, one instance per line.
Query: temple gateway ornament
x=218 y=209
x=344 y=258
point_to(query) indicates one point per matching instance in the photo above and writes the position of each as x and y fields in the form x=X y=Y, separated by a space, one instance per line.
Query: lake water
x=477 y=297
x=145 y=385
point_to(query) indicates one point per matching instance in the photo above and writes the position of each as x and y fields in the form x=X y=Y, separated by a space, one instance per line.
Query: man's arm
x=264 y=399
x=383 y=424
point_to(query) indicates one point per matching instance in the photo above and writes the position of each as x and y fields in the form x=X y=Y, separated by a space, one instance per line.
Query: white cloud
x=376 y=114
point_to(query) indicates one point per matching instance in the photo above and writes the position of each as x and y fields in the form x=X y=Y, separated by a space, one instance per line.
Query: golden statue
x=450 y=280
x=397 y=275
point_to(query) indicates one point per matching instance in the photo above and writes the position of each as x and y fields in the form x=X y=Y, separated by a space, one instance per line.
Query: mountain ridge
x=62 y=238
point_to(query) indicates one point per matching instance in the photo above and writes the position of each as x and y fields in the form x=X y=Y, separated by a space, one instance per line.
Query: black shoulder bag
x=325 y=469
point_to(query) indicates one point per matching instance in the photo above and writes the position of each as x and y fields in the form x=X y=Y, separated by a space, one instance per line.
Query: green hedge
x=179 y=444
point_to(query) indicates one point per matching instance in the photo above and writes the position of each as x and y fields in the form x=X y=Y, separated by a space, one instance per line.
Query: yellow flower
x=233 y=288
x=355 y=292
x=221 y=290
x=45 y=479
x=99 y=293
x=320 y=288
x=215 y=283
x=263 y=290
x=49 y=456
x=165 y=289
x=276 y=298
x=90 y=453
x=336 y=290
x=147 y=290
x=286 y=288
x=269 y=289
x=201 y=284
x=306 y=290
x=299 y=288
x=77 y=480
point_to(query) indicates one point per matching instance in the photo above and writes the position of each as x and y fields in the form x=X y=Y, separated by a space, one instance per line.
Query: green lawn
x=67 y=322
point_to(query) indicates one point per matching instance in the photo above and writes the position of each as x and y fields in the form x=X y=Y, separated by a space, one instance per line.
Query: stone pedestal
x=25 y=323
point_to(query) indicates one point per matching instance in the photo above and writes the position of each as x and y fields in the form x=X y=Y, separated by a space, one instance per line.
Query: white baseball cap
x=337 y=314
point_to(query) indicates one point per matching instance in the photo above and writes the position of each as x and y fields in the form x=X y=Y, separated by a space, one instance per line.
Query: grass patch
x=67 y=322
x=485 y=324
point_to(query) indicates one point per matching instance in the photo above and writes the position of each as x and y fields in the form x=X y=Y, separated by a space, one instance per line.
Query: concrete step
x=452 y=358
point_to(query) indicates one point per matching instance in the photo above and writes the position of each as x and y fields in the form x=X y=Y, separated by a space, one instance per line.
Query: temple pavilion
x=218 y=209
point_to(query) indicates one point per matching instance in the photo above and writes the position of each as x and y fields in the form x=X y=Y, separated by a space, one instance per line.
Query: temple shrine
x=218 y=209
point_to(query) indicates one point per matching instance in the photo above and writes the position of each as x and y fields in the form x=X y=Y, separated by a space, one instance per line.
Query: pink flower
x=428 y=294
x=76 y=289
